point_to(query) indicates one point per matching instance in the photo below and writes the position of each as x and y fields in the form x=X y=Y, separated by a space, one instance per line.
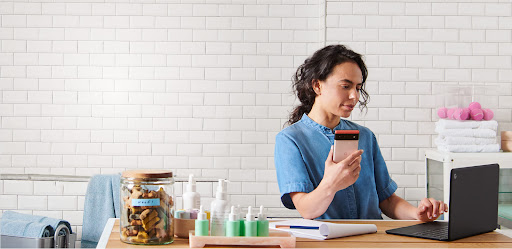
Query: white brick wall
x=89 y=88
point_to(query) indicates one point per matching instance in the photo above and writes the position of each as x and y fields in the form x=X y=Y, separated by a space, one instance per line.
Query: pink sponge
x=477 y=114
x=442 y=112
x=488 y=114
x=474 y=105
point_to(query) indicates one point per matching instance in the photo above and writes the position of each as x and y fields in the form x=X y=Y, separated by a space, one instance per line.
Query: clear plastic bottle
x=220 y=210
x=147 y=207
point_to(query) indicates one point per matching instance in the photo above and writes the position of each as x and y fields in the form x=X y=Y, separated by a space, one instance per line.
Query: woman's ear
x=316 y=87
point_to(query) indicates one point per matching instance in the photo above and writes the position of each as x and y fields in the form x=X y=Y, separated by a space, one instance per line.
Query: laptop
x=473 y=207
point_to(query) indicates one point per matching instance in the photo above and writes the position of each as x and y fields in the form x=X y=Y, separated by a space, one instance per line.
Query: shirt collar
x=323 y=129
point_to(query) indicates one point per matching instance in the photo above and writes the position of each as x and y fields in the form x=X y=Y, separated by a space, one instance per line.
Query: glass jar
x=147 y=207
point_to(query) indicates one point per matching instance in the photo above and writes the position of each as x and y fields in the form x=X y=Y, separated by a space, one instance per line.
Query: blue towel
x=101 y=203
x=24 y=228
x=54 y=223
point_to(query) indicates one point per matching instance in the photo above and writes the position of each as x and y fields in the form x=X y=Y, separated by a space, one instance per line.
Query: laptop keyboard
x=437 y=233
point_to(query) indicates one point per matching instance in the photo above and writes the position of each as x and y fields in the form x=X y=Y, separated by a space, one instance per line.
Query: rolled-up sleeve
x=385 y=185
x=292 y=175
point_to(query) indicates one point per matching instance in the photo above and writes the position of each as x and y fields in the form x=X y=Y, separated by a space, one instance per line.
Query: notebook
x=318 y=230
x=473 y=206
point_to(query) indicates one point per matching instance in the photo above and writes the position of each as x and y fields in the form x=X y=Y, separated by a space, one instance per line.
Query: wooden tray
x=275 y=238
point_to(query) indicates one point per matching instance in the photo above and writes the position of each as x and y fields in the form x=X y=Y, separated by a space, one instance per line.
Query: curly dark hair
x=319 y=67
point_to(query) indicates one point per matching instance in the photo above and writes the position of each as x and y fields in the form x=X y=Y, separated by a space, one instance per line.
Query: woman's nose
x=353 y=93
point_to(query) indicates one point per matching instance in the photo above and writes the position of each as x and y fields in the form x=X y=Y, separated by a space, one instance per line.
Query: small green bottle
x=232 y=225
x=241 y=220
x=201 y=226
x=262 y=224
x=251 y=225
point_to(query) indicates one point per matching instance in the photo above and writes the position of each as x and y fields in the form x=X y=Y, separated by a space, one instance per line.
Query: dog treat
x=130 y=230
x=145 y=213
x=149 y=225
x=135 y=210
x=136 y=223
x=136 y=193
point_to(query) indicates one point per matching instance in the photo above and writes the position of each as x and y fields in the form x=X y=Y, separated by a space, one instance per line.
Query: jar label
x=145 y=202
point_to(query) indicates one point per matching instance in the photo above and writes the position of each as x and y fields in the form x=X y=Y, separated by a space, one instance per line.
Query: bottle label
x=217 y=227
x=191 y=203
x=145 y=202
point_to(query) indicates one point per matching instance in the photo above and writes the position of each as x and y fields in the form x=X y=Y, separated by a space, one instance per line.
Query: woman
x=329 y=85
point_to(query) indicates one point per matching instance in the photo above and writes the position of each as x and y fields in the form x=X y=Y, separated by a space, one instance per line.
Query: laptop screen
x=473 y=200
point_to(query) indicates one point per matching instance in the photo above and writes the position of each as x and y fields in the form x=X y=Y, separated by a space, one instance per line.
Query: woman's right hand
x=338 y=176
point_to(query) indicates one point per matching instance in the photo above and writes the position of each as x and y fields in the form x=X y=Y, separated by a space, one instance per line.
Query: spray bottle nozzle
x=223 y=183
x=191 y=186
x=222 y=190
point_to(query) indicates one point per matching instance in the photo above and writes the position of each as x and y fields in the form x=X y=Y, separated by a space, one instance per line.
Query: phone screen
x=345 y=143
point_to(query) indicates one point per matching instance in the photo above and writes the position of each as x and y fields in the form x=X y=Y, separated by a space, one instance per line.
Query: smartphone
x=345 y=143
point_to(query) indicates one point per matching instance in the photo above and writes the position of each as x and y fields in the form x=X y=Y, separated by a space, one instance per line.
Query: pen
x=297 y=227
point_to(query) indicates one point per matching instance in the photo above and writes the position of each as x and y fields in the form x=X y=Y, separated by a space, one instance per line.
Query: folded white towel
x=470 y=148
x=483 y=133
x=441 y=140
x=467 y=124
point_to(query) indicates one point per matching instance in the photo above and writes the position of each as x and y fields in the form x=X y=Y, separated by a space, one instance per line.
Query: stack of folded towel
x=32 y=226
x=467 y=136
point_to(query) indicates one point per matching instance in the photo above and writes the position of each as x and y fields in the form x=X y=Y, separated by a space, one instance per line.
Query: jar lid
x=147 y=173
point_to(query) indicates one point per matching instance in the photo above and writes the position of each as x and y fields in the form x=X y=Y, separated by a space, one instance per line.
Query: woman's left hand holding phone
x=338 y=176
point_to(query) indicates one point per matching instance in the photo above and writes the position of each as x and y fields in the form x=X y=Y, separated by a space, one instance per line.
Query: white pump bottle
x=191 y=198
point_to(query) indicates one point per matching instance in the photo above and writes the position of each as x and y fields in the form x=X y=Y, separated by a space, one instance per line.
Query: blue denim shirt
x=300 y=153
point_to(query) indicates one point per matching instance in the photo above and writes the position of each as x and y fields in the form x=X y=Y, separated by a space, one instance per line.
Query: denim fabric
x=300 y=153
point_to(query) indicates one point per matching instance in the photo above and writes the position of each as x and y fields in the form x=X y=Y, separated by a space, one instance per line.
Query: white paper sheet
x=326 y=230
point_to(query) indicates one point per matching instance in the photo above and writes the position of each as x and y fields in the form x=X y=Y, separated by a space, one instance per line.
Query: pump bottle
x=191 y=198
x=220 y=210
